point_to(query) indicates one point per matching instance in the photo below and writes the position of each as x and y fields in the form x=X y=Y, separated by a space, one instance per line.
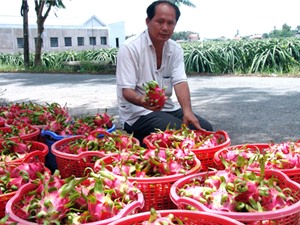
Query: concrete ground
x=249 y=109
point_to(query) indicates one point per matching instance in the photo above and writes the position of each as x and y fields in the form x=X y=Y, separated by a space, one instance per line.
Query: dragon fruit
x=155 y=218
x=155 y=95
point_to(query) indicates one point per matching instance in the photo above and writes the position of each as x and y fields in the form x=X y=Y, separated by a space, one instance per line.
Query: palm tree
x=40 y=6
x=184 y=2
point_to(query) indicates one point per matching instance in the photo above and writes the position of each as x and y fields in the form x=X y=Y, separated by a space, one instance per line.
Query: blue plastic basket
x=51 y=137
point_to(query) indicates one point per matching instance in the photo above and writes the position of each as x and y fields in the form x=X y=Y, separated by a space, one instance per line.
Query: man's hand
x=190 y=118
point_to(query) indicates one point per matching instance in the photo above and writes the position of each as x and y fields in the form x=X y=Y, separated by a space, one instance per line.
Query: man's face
x=162 y=25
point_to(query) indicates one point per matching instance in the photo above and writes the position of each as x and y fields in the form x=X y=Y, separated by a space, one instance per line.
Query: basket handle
x=53 y=135
x=82 y=155
x=31 y=155
x=100 y=133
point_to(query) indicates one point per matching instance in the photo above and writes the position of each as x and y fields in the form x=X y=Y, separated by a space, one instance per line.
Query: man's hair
x=151 y=9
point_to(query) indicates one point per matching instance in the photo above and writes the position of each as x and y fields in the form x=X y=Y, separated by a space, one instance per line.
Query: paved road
x=249 y=109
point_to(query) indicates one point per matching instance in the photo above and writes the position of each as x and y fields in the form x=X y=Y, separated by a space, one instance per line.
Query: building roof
x=92 y=22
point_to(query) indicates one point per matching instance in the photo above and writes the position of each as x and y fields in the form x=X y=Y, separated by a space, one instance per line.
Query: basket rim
x=139 y=203
x=59 y=137
x=244 y=216
x=56 y=152
x=178 y=212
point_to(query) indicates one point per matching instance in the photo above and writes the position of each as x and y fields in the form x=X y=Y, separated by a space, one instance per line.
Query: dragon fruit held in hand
x=155 y=95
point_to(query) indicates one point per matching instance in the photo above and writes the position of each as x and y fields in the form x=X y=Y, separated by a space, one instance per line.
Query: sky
x=210 y=18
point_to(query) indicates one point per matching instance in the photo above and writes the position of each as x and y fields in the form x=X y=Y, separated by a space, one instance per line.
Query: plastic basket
x=294 y=173
x=33 y=136
x=156 y=190
x=72 y=164
x=205 y=155
x=76 y=164
x=4 y=198
x=289 y=215
x=186 y=216
x=50 y=138
x=16 y=215
x=38 y=151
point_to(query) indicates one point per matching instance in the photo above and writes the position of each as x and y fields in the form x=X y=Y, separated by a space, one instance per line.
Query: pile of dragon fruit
x=183 y=138
x=52 y=117
x=13 y=176
x=144 y=162
x=238 y=190
x=15 y=150
x=108 y=143
x=52 y=200
x=285 y=155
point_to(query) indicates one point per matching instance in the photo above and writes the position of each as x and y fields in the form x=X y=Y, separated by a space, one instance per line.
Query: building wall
x=113 y=34
x=116 y=34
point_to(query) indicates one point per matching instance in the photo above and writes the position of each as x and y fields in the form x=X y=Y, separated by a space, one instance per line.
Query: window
x=92 y=40
x=54 y=42
x=68 y=41
x=103 y=40
x=20 y=42
x=80 y=41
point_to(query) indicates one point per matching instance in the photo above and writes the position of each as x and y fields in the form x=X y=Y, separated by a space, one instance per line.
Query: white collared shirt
x=136 y=65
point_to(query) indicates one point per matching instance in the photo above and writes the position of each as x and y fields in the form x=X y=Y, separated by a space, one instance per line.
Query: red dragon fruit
x=155 y=95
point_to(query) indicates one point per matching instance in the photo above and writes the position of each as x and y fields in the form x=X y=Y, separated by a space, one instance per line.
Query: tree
x=42 y=9
x=182 y=35
x=184 y=2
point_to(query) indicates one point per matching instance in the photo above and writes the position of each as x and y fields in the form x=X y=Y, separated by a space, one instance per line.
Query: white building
x=93 y=34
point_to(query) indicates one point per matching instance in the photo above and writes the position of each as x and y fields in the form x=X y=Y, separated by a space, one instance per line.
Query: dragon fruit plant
x=155 y=95
x=237 y=189
x=73 y=201
x=183 y=138
x=285 y=155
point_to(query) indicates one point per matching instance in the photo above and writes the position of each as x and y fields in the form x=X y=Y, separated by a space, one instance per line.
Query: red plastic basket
x=38 y=151
x=33 y=136
x=294 y=173
x=16 y=215
x=205 y=155
x=72 y=164
x=186 y=216
x=156 y=190
x=76 y=164
x=289 y=215
x=3 y=201
x=4 y=198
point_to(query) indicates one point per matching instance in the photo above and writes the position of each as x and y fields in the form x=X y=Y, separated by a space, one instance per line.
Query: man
x=152 y=55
